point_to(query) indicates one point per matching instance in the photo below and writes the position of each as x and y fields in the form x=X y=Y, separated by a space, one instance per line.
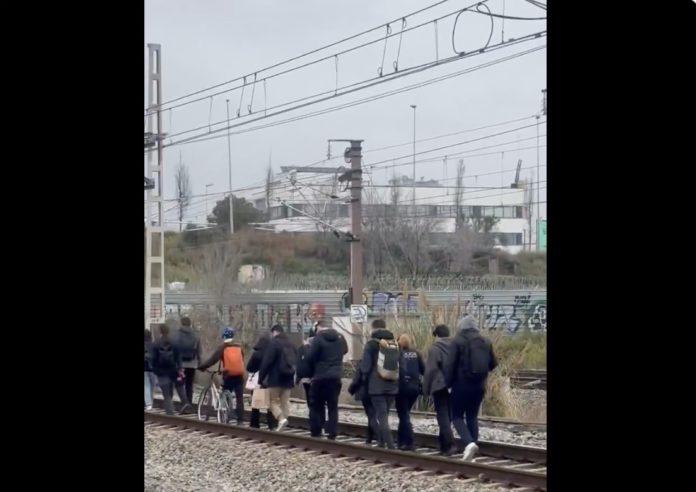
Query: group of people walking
x=391 y=373
x=454 y=376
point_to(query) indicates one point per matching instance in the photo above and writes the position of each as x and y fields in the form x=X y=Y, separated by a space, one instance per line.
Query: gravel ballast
x=428 y=425
x=185 y=461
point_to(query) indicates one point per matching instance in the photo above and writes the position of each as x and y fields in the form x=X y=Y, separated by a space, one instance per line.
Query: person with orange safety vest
x=231 y=355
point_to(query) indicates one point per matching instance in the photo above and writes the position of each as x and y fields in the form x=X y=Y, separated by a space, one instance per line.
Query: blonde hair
x=405 y=341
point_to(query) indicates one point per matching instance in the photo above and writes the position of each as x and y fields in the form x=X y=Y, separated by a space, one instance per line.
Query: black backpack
x=165 y=357
x=187 y=344
x=288 y=360
x=476 y=357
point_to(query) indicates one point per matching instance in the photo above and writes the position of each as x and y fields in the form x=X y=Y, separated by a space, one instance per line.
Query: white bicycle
x=216 y=398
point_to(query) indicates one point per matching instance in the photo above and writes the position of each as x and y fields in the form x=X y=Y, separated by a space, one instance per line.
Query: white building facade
x=320 y=196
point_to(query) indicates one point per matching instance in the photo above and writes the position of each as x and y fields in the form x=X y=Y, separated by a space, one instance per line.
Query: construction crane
x=516 y=184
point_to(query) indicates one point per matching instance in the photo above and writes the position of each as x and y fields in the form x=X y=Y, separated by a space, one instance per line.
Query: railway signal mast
x=154 y=190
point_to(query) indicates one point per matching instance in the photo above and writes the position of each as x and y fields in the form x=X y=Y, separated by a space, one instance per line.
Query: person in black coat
x=411 y=368
x=381 y=391
x=166 y=364
x=253 y=365
x=435 y=385
x=468 y=389
x=150 y=378
x=277 y=373
x=326 y=358
x=358 y=388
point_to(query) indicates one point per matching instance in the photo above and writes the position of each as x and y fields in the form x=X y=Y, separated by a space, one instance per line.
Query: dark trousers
x=189 y=375
x=255 y=420
x=443 y=410
x=323 y=394
x=404 y=403
x=372 y=431
x=167 y=384
x=235 y=384
x=306 y=387
x=382 y=404
x=466 y=400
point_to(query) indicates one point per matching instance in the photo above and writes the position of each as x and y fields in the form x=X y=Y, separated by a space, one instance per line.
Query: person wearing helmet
x=230 y=356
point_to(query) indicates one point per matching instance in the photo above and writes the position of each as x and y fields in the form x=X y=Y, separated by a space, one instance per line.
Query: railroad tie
x=468 y=480
x=345 y=458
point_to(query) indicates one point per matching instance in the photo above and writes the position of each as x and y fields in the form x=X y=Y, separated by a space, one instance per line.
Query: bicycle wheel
x=205 y=402
x=223 y=411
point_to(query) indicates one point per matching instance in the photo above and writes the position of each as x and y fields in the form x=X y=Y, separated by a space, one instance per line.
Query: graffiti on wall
x=518 y=313
x=522 y=313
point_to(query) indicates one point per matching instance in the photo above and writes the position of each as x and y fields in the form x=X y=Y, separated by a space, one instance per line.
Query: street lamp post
x=414 y=158
x=229 y=166
x=206 y=200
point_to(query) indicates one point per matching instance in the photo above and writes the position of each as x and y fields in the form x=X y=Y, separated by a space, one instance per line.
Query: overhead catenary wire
x=390 y=161
x=301 y=181
x=303 y=55
x=211 y=135
x=363 y=84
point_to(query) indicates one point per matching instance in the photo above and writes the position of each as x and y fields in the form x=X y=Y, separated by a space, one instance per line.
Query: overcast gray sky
x=207 y=42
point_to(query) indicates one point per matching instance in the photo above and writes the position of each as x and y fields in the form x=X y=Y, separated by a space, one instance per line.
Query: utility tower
x=154 y=211
x=353 y=155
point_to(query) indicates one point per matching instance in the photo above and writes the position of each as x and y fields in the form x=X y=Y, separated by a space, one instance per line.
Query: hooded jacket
x=157 y=366
x=375 y=384
x=326 y=354
x=434 y=378
x=269 y=373
x=188 y=331
x=217 y=354
x=455 y=367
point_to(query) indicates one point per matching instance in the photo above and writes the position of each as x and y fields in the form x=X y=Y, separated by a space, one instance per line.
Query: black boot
x=255 y=418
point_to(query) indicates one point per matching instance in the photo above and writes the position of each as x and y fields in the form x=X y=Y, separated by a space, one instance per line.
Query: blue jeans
x=150 y=382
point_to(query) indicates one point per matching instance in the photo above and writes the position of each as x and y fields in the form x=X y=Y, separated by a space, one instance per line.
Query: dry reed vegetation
x=520 y=351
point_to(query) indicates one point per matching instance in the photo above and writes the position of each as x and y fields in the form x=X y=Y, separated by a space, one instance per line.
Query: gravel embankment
x=179 y=461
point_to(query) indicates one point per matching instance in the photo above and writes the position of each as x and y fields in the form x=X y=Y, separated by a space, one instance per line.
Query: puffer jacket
x=326 y=354
x=368 y=366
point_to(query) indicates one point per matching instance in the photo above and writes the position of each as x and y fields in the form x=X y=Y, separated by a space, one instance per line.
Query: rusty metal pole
x=354 y=153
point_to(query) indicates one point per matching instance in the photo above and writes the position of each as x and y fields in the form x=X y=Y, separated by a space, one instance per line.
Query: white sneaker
x=282 y=424
x=470 y=451
x=148 y=408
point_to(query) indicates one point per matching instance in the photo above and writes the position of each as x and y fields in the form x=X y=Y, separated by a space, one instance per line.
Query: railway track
x=529 y=378
x=514 y=466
